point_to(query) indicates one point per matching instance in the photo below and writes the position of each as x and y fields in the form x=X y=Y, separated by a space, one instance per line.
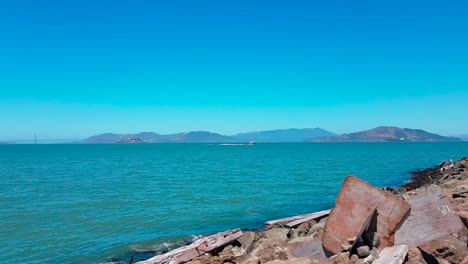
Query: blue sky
x=70 y=69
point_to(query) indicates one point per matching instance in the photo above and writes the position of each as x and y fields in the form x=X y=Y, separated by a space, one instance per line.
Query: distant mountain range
x=464 y=137
x=280 y=135
x=285 y=135
x=385 y=133
x=378 y=134
x=150 y=137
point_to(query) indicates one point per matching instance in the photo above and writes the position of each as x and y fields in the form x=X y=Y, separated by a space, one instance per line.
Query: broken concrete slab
x=356 y=201
x=392 y=255
x=432 y=217
x=309 y=249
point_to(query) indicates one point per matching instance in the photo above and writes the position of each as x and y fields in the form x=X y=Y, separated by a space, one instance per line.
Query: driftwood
x=294 y=221
x=307 y=218
x=392 y=255
x=197 y=248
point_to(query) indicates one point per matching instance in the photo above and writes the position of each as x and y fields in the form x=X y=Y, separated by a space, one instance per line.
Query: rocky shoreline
x=423 y=222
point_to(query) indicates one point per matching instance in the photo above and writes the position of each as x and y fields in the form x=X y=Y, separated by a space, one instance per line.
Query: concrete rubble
x=424 y=222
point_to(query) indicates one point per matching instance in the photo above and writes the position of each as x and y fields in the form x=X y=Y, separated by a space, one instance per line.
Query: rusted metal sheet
x=294 y=221
x=432 y=217
x=197 y=248
x=309 y=249
x=356 y=201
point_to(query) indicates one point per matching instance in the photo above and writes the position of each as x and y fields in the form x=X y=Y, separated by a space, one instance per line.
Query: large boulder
x=278 y=234
x=361 y=206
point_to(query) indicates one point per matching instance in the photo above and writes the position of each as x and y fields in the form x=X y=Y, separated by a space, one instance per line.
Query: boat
x=251 y=143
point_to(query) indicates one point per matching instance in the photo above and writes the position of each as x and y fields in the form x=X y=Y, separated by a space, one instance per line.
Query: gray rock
x=293 y=234
x=247 y=240
x=238 y=252
x=363 y=251
x=354 y=258
x=278 y=234
x=301 y=239
x=346 y=247
x=323 y=220
x=316 y=227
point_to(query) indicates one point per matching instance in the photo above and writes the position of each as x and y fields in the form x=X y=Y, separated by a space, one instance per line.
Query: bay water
x=73 y=203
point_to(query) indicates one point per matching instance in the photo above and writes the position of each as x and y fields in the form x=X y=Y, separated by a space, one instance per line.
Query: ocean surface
x=105 y=203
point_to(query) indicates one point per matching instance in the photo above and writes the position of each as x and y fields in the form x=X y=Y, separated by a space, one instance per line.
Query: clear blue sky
x=70 y=69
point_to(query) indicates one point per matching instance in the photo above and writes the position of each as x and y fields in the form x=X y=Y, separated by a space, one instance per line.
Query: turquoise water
x=99 y=203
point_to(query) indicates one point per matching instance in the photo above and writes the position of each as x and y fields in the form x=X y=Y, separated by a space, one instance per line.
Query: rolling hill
x=280 y=135
x=386 y=133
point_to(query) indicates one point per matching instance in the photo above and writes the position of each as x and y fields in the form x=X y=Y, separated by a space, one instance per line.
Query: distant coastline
x=378 y=134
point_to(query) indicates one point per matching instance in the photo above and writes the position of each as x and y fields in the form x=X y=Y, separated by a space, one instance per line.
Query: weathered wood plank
x=432 y=217
x=197 y=248
x=307 y=218
x=392 y=255
x=294 y=221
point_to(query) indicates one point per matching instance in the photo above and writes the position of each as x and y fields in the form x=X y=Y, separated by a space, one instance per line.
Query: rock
x=251 y=260
x=226 y=250
x=310 y=249
x=293 y=261
x=301 y=239
x=363 y=251
x=369 y=259
x=393 y=255
x=354 y=258
x=346 y=247
x=460 y=191
x=342 y=258
x=306 y=225
x=279 y=234
x=238 y=252
x=442 y=261
x=356 y=201
x=449 y=248
x=316 y=227
x=211 y=260
x=432 y=217
x=415 y=256
x=372 y=239
x=247 y=240
x=268 y=250
x=293 y=234
x=464 y=261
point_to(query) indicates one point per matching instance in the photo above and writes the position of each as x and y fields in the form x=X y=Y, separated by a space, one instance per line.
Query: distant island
x=279 y=135
x=378 y=134
x=386 y=133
